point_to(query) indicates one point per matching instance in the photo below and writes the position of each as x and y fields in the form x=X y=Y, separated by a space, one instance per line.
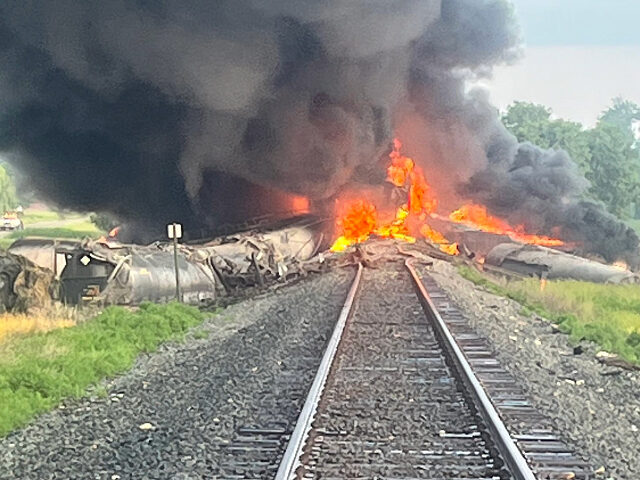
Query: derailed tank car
x=47 y=253
x=128 y=275
x=537 y=261
x=132 y=275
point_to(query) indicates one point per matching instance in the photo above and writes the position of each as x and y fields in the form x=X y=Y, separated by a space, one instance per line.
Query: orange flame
x=299 y=204
x=476 y=216
x=356 y=223
x=403 y=168
x=113 y=233
x=358 y=220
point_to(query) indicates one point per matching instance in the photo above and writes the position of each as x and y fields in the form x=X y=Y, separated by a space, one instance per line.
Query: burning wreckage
x=36 y=272
x=114 y=273
x=109 y=272
x=315 y=101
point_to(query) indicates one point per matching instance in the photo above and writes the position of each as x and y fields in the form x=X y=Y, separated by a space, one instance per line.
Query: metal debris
x=532 y=260
x=24 y=286
x=112 y=273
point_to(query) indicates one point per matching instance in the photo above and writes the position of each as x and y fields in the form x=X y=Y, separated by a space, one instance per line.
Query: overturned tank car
x=536 y=261
x=112 y=273
x=129 y=275
x=48 y=253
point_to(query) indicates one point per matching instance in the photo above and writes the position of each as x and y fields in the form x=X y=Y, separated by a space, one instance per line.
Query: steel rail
x=291 y=459
x=514 y=459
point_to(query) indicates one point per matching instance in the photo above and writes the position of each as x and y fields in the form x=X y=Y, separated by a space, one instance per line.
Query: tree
x=528 y=122
x=623 y=114
x=25 y=193
x=533 y=123
x=103 y=221
x=608 y=155
x=613 y=168
x=8 y=198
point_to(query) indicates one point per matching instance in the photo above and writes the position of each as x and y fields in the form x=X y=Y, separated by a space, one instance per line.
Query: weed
x=39 y=370
x=101 y=392
x=201 y=335
x=608 y=315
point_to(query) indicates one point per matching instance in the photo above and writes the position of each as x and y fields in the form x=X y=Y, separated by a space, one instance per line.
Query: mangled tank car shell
x=538 y=261
x=129 y=276
x=151 y=277
x=45 y=252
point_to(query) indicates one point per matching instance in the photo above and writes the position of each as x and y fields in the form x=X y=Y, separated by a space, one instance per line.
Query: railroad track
x=407 y=390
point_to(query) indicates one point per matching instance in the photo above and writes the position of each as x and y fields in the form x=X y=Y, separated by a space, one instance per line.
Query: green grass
x=80 y=229
x=37 y=216
x=38 y=371
x=608 y=315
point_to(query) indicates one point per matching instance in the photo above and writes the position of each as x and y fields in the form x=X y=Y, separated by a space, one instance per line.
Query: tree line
x=608 y=154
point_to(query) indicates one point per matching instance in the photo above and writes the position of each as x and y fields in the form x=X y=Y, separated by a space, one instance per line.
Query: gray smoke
x=206 y=112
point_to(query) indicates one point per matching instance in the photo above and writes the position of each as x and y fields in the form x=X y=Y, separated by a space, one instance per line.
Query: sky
x=578 y=55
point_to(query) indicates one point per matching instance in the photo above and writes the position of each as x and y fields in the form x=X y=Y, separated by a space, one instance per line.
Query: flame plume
x=358 y=220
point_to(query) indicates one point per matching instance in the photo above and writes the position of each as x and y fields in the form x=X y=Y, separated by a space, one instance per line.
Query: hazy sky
x=579 y=54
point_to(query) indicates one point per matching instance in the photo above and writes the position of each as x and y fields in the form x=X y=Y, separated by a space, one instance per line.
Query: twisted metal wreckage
x=114 y=273
x=35 y=272
x=24 y=285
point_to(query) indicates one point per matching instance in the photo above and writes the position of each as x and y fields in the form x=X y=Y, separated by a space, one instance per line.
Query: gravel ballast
x=177 y=412
x=392 y=407
x=596 y=407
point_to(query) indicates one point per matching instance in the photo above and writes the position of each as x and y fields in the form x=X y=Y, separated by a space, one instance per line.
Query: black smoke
x=206 y=112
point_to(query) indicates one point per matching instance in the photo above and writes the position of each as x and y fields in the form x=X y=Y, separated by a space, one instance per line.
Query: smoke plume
x=206 y=112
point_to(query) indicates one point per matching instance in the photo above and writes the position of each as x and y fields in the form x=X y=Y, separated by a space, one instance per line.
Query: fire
x=397 y=228
x=111 y=237
x=358 y=220
x=620 y=265
x=401 y=167
x=476 y=216
x=300 y=204
x=113 y=233
x=451 y=249
x=543 y=284
x=402 y=170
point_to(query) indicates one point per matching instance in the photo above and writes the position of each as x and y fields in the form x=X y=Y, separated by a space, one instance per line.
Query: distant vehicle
x=11 y=221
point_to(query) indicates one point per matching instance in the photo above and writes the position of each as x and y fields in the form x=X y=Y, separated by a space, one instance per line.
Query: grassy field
x=608 y=315
x=78 y=229
x=39 y=370
x=38 y=216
